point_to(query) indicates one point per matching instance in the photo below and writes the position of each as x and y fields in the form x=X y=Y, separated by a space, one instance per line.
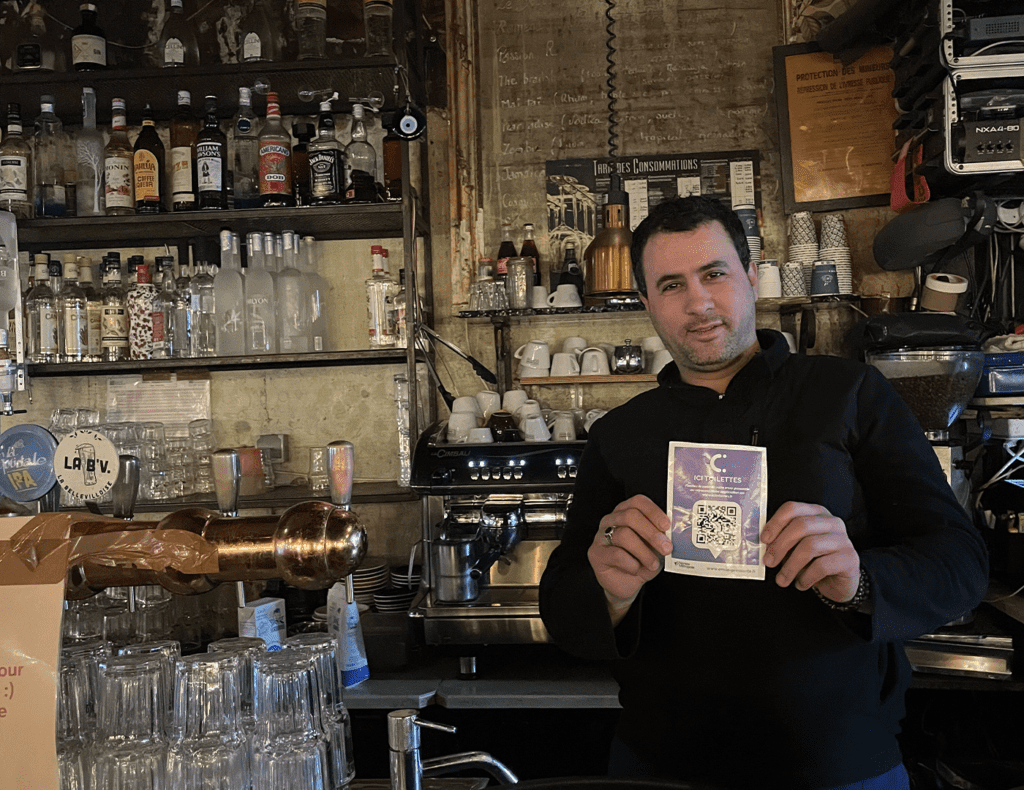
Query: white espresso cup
x=563 y=426
x=594 y=362
x=489 y=401
x=534 y=429
x=565 y=295
x=564 y=363
x=538 y=297
x=468 y=403
x=534 y=354
x=574 y=345
x=513 y=399
x=460 y=423
x=480 y=436
x=529 y=408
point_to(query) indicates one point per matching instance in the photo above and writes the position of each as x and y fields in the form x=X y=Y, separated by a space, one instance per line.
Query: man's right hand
x=633 y=554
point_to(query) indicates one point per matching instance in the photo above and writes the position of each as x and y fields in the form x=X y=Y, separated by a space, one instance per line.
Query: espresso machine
x=503 y=511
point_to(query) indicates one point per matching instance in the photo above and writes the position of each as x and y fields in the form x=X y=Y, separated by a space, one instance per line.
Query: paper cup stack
x=793 y=283
x=769 y=280
x=803 y=244
x=835 y=248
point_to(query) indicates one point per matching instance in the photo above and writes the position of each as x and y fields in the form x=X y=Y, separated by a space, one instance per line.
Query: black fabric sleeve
x=926 y=560
x=572 y=603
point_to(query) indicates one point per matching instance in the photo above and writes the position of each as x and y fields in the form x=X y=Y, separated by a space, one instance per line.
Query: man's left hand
x=811 y=549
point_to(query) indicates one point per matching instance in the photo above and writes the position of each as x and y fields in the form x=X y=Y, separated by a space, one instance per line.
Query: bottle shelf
x=375 y=220
x=614 y=378
x=356 y=78
x=371 y=356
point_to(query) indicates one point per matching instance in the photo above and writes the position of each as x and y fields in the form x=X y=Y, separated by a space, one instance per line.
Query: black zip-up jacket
x=742 y=683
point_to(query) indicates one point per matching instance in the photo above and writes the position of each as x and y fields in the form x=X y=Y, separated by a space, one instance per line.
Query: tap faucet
x=407 y=767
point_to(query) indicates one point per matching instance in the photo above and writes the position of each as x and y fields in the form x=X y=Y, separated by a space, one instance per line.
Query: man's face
x=700 y=298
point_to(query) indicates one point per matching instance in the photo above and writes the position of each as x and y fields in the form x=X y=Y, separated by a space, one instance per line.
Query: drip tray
x=979 y=657
x=499 y=616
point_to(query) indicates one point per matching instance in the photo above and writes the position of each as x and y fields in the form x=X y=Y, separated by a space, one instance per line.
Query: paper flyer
x=717 y=496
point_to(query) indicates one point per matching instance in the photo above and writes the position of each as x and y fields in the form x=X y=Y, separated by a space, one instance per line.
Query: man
x=793 y=682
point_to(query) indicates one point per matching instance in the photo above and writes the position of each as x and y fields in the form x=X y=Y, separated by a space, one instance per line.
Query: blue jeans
x=623 y=761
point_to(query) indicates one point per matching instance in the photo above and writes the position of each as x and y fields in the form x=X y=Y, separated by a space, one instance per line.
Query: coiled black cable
x=613 y=113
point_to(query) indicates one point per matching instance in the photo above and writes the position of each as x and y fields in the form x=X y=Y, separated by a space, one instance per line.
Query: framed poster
x=835 y=128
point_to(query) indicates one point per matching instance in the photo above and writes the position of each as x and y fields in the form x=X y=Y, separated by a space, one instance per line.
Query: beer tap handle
x=227 y=480
x=126 y=487
x=340 y=463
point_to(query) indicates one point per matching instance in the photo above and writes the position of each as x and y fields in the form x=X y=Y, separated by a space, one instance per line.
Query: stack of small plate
x=840 y=256
x=368 y=578
x=401 y=577
x=393 y=599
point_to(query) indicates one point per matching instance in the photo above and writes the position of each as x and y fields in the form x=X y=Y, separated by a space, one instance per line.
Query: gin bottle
x=164 y=310
x=94 y=308
x=202 y=312
x=41 y=316
x=114 y=340
x=15 y=167
x=75 y=307
x=177 y=45
x=48 y=186
x=229 y=298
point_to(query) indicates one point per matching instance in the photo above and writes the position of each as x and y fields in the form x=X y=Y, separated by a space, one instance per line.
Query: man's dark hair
x=682 y=215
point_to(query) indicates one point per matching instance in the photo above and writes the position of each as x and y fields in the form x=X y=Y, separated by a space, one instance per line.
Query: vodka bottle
x=48 y=186
x=311 y=24
x=184 y=129
x=119 y=186
x=316 y=288
x=75 y=307
x=177 y=44
x=326 y=161
x=260 y=321
x=360 y=162
x=246 y=155
x=203 y=313
x=88 y=42
x=402 y=406
x=211 y=161
x=229 y=298
x=258 y=38
x=380 y=293
x=275 y=159
x=148 y=166
x=15 y=167
x=141 y=300
x=115 y=312
x=164 y=309
x=42 y=316
x=94 y=308
x=91 y=202
x=292 y=301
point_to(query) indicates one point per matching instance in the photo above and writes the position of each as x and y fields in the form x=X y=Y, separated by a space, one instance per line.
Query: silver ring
x=608 y=532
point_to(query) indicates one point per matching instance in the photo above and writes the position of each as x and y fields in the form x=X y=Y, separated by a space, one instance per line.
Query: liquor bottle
x=114 y=339
x=303 y=132
x=15 y=167
x=229 y=299
x=311 y=25
x=10 y=287
x=89 y=144
x=529 y=250
x=164 y=310
x=292 y=301
x=571 y=272
x=37 y=52
x=75 y=308
x=88 y=41
x=140 y=302
x=316 y=287
x=377 y=21
x=94 y=308
x=148 y=164
x=326 y=161
x=41 y=316
x=177 y=44
x=506 y=250
x=360 y=162
x=119 y=187
x=380 y=294
x=202 y=312
x=246 y=155
x=260 y=322
x=211 y=153
x=401 y=306
x=275 y=159
x=8 y=375
x=393 y=166
x=56 y=271
x=258 y=39
x=182 y=312
x=184 y=129
x=48 y=186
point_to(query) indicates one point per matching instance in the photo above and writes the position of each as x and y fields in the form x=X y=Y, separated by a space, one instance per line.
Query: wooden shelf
x=382 y=356
x=642 y=378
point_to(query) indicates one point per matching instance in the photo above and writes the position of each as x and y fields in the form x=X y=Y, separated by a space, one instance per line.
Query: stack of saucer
x=393 y=599
x=835 y=248
x=370 y=577
x=401 y=577
x=803 y=244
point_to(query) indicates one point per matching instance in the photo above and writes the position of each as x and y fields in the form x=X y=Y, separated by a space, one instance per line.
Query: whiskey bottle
x=211 y=153
x=326 y=161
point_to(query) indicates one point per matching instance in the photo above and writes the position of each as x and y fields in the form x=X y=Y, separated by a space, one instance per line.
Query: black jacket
x=744 y=683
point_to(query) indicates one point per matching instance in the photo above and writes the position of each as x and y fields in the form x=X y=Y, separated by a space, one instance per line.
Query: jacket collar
x=763 y=365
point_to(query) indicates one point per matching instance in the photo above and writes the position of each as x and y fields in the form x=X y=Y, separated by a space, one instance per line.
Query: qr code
x=716 y=525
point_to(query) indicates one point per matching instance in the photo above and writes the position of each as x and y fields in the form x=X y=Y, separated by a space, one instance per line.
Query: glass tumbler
x=166 y=652
x=207 y=698
x=201 y=437
x=247 y=648
x=286 y=697
x=133 y=704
